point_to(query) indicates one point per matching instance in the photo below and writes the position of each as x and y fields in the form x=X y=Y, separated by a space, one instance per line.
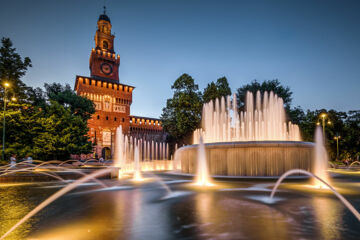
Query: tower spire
x=104 y=9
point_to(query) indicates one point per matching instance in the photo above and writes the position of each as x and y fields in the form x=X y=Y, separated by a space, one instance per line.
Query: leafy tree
x=12 y=68
x=45 y=124
x=182 y=114
x=65 y=96
x=296 y=115
x=216 y=90
x=268 y=85
x=350 y=139
x=335 y=125
x=51 y=132
x=63 y=133
x=36 y=97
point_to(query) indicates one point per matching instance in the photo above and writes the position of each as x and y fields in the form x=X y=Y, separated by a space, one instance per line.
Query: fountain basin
x=253 y=158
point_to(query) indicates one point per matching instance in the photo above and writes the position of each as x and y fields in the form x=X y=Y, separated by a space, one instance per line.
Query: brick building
x=112 y=99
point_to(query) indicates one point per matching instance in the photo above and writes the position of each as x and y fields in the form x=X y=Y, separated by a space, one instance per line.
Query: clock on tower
x=104 y=63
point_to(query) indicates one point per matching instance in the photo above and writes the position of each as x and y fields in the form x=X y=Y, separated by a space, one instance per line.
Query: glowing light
x=6 y=84
x=202 y=178
x=320 y=159
x=263 y=119
x=318 y=186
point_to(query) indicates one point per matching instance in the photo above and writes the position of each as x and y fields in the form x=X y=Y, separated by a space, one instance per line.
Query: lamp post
x=337 y=137
x=323 y=117
x=6 y=85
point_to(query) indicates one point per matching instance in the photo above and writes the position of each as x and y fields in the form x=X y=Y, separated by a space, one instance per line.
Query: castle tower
x=111 y=98
x=104 y=63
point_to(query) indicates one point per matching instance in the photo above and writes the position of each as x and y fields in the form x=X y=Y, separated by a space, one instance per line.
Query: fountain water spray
x=202 y=177
x=357 y=162
x=119 y=158
x=55 y=196
x=320 y=158
x=124 y=159
x=262 y=120
x=137 y=167
x=337 y=194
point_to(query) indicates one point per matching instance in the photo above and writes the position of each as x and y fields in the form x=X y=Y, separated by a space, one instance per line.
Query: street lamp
x=6 y=86
x=323 y=117
x=337 y=137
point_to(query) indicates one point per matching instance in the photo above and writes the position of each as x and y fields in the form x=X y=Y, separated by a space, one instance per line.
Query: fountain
x=137 y=170
x=320 y=159
x=55 y=196
x=151 y=155
x=356 y=162
x=262 y=120
x=322 y=181
x=119 y=156
x=202 y=176
x=255 y=142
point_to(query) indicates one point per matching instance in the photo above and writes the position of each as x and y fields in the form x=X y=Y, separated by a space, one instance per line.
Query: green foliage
x=52 y=132
x=66 y=97
x=45 y=125
x=216 y=90
x=345 y=125
x=12 y=68
x=268 y=85
x=182 y=114
x=350 y=138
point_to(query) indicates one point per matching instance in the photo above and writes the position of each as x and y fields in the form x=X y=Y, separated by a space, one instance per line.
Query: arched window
x=105 y=45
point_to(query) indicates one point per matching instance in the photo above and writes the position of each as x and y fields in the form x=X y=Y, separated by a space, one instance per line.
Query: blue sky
x=312 y=46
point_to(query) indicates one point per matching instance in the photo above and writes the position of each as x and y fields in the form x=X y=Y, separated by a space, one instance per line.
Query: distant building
x=112 y=99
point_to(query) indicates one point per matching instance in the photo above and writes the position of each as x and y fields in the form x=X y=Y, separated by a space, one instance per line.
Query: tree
x=182 y=114
x=268 y=85
x=50 y=125
x=296 y=115
x=335 y=125
x=49 y=132
x=350 y=140
x=63 y=133
x=65 y=96
x=216 y=90
x=12 y=68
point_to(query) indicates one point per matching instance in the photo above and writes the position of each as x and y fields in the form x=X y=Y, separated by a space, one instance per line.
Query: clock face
x=106 y=68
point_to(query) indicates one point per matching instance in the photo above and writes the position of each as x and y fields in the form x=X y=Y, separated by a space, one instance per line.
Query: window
x=115 y=119
x=107 y=118
x=105 y=45
x=98 y=117
x=123 y=119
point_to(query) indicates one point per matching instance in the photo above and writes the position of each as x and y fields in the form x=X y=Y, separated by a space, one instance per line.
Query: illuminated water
x=132 y=211
x=263 y=119
x=320 y=158
x=203 y=177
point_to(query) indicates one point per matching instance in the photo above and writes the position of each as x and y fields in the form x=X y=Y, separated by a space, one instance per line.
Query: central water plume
x=202 y=176
x=320 y=158
x=263 y=119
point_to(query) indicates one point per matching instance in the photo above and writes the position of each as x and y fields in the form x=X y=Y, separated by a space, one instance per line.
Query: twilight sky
x=312 y=46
